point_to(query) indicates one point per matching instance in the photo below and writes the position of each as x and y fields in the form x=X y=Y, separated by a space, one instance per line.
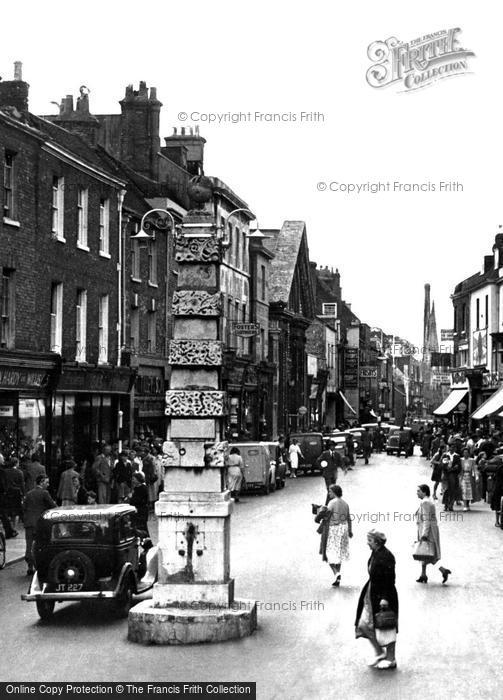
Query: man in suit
x=102 y=469
x=330 y=461
x=31 y=469
x=37 y=501
x=366 y=444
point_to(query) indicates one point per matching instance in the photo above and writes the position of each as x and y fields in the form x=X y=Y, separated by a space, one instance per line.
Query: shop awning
x=347 y=402
x=493 y=404
x=450 y=403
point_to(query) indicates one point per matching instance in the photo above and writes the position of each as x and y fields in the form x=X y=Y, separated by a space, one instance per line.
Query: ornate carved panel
x=195 y=352
x=214 y=454
x=198 y=250
x=197 y=303
x=198 y=404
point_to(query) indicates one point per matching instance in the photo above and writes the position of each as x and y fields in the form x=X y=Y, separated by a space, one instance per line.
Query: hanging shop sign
x=246 y=330
x=351 y=368
x=368 y=372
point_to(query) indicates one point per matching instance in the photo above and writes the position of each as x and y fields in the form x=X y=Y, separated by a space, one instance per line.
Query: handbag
x=425 y=551
x=385 y=619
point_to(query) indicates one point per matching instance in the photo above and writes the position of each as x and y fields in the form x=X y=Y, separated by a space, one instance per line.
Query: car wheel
x=3 y=556
x=124 y=601
x=45 y=609
x=71 y=567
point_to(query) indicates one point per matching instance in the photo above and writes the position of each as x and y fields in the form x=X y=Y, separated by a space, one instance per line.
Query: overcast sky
x=288 y=57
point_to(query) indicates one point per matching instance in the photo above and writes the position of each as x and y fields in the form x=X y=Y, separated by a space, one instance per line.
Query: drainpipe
x=121 y=291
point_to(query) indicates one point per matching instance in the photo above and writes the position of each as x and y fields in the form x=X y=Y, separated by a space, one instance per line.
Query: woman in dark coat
x=378 y=591
x=497 y=494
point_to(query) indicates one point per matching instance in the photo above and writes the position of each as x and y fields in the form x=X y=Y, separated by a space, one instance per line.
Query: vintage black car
x=87 y=552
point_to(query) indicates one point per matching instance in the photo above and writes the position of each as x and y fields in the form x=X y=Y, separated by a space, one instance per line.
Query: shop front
x=26 y=384
x=149 y=403
x=90 y=406
x=240 y=382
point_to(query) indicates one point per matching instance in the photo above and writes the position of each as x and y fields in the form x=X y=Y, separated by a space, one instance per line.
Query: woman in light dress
x=234 y=473
x=427 y=531
x=465 y=478
x=294 y=453
x=337 y=530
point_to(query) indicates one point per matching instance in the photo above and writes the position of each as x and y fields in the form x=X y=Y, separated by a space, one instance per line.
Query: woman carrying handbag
x=428 y=537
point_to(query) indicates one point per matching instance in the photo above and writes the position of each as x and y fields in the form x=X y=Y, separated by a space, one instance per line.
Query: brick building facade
x=61 y=386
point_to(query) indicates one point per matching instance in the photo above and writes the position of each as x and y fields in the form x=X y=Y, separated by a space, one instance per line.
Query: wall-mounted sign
x=246 y=330
x=446 y=334
x=23 y=378
x=368 y=372
x=6 y=411
x=351 y=368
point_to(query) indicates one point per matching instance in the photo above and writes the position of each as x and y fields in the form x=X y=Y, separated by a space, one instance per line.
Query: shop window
x=7 y=309
x=103 y=329
x=81 y=326
x=9 y=199
x=58 y=206
x=56 y=316
x=104 y=226
x=82 y=214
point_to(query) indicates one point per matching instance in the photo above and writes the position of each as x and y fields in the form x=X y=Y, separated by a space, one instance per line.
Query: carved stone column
x=193 y=600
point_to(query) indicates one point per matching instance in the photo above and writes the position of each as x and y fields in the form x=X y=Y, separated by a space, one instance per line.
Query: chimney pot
x=183 y=131
x=18 y=70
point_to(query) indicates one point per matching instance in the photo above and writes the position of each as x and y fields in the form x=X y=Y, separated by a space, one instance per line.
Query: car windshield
x=73 y=530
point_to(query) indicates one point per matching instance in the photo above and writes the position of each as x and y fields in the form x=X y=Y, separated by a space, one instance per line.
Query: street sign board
x=351 y=368
x=302 y=411
x=246 y=330
x=446 y=334
x=368 y=372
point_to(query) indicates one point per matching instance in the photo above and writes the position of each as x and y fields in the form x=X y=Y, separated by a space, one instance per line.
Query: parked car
x=87 y=552
x=393 y=441
x=258 y=470
x=277 y=463
x=357 y=439
x=311 y=446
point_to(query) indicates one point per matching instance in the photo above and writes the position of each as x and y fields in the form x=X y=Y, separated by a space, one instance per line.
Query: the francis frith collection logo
x=417 y=63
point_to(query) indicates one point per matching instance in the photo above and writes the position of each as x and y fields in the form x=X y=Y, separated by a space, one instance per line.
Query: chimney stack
x=14 y=93
x=18 y=70
x=140 y=141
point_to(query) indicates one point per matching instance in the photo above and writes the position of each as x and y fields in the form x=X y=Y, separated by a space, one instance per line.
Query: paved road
x=450 y=637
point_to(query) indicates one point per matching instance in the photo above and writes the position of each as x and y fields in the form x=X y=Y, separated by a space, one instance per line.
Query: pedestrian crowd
x=133 y=475
x=467 y=466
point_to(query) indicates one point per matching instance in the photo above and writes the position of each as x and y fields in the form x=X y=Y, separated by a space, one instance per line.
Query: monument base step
x=189 y=624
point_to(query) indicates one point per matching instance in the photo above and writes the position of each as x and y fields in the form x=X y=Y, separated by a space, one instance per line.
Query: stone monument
x=193 y=600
